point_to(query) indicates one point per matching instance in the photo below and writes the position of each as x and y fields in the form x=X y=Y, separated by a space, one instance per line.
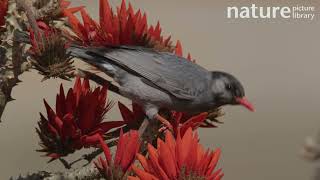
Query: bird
x=157 y=80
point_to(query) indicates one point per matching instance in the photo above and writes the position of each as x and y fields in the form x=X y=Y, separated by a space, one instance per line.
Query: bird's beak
x=244 y=102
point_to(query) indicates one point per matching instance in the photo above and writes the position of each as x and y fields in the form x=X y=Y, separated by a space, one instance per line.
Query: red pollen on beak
x=244 y=102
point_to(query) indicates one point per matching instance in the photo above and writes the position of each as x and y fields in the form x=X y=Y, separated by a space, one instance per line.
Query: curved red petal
x=214 y=161
x=90 y=140
x=143 y=175
x=153 y=155
x=167 y=161
x=193 y=122
x=77 y=27
x=64 y=3
x=127 y=149
x=143 y=161
x=126 y=114
x=105 y=149
x=72 y=10
x=178 y=50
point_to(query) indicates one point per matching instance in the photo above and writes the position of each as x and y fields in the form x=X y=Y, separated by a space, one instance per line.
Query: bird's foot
x=164 y=121
x=143 y=127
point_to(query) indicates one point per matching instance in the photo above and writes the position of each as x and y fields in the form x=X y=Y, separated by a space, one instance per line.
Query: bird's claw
x=166 y=123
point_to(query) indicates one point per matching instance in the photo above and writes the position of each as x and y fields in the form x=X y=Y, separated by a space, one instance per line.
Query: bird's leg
x=153 y=113
x=143 y=126
x=163 y=121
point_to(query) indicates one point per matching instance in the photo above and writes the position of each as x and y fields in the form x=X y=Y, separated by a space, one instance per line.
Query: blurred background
x=277 y=61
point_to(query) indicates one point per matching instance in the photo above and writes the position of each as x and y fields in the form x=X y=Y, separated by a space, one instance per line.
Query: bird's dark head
x=228 y=90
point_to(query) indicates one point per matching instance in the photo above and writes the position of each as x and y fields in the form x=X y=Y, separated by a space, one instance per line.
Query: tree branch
x=12 y=62
x=85 y=173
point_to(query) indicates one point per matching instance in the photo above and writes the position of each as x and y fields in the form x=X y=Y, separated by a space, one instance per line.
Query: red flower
x=127 y=148
x=64 y=8
x=40 y=41
x=124 y=27
x=132 y=118
x=183 y=158
x=77 y=122
x=3 y=11
x=121 y=27
x=49 y=53
x=181 y=122
x=178 y=51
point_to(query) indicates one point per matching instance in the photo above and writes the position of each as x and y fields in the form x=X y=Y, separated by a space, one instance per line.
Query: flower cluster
x=49 y=53
x=181 y=122
x=77 y=121
x=64 y=8
x=181 y=158
x=127 y=148
x=125 y=27
x=122 y=27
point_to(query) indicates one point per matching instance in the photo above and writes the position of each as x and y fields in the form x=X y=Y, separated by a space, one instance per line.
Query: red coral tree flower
x=64 y=8
x=49 y=55
x=124 y=26
x=77 y=122
x=3 y=11
x=183 y=159
x=132 y=118
x=180 y=122
x=127 y=148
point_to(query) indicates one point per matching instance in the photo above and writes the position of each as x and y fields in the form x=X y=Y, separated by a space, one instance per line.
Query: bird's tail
x=84 y=54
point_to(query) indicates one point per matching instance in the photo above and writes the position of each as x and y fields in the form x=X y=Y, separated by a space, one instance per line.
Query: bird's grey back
x=173 y=74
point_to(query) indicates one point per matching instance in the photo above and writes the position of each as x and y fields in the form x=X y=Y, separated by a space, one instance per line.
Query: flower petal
x=143 y=175
x=178 y=50
x=143 y=162
x=132 y=146
x=106 y=150
x=155 y=163
x=167 y=161
x=90 y=140
x=126 y=114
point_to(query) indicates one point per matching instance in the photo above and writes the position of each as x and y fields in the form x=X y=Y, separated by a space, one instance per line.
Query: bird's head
x=228 y=90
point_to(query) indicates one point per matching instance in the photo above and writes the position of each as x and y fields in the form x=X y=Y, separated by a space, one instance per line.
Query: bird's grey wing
x=178 y=76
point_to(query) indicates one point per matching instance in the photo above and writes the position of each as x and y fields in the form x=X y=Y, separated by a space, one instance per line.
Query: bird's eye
x=228 y=87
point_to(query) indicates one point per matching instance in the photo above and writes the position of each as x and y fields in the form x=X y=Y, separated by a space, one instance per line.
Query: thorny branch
x=87 y=173
x=26 y=7
x=12 y=62
x=20 y=15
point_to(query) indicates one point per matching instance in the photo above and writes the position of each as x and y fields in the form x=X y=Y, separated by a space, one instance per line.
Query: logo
x=271 y=12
